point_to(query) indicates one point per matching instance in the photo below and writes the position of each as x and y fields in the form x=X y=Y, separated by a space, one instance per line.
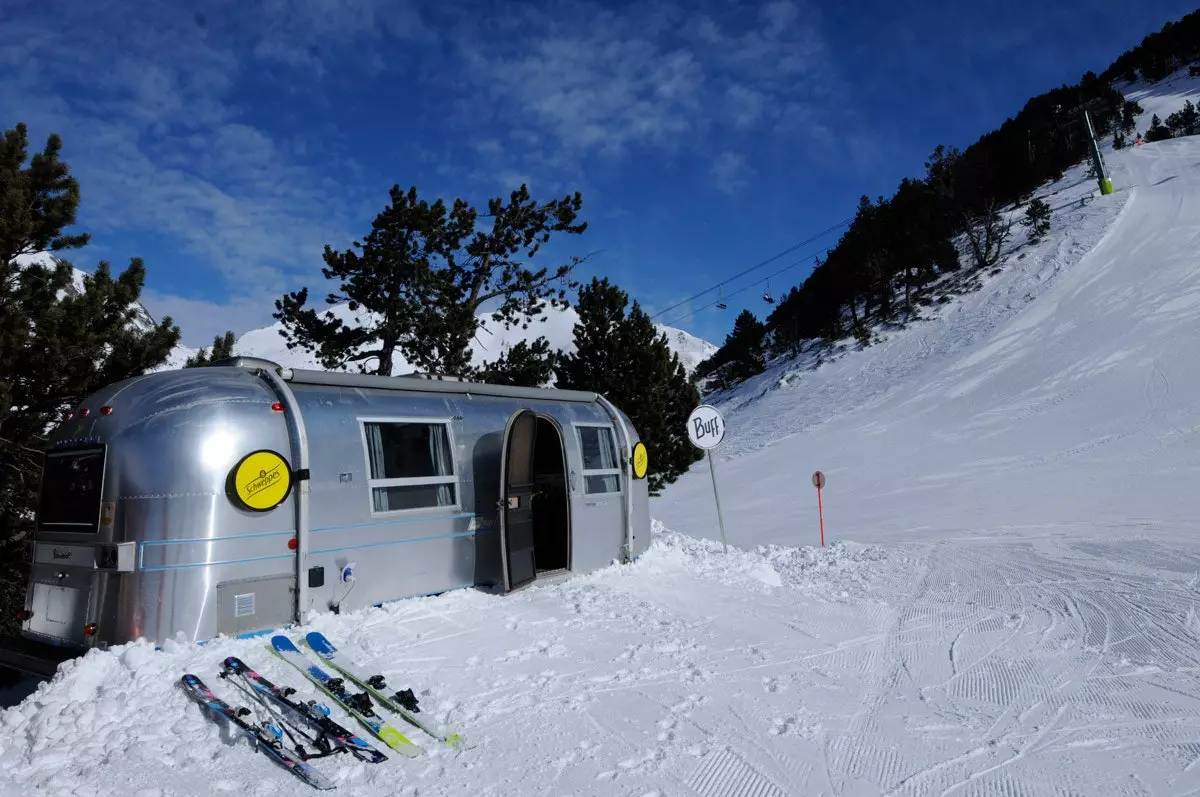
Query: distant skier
x=1139 y=139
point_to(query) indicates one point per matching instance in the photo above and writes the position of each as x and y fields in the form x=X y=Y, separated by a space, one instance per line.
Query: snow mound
x=837 y=570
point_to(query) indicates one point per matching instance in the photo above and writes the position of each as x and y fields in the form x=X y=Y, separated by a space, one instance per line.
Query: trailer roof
x=422 y=384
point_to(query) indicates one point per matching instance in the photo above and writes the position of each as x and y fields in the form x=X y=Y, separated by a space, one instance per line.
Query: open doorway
x=551 y=508
x=535 y=531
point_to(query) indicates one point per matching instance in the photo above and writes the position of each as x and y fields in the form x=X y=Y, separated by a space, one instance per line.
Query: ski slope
x=1006 y=605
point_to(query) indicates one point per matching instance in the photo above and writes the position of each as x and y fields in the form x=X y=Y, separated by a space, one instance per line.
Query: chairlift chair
x=767 y=297
x=721 y=299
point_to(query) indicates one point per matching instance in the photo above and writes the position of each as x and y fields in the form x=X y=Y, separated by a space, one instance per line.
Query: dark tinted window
x=71 y=482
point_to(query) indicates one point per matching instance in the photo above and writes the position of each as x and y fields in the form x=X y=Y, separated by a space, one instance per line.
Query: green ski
x=402 y=703
x=358 y=705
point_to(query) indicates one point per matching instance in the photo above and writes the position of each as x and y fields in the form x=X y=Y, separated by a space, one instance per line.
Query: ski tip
x=399 y=742
x=317 y=641
x=282 y=642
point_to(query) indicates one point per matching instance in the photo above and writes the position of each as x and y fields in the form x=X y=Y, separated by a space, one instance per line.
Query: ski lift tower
x=1106 y=183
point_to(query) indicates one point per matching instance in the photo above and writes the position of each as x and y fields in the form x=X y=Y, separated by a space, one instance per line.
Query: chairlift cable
x=743 y=289
x=755 y=267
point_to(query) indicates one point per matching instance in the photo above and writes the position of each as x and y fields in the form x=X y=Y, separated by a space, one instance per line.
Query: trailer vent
x=243 y=605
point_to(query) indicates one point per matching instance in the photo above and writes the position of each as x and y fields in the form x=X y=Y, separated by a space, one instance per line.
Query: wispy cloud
x=186 y=123
x=239 y=313
x=731 y=172
x=662 y=78
x=153 y=129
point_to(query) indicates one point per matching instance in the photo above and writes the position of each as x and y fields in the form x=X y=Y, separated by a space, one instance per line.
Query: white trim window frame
x=373 y=483
x=600 y=472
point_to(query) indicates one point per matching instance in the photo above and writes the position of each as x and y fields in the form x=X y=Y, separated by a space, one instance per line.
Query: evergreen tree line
x=879 y=270
x=418 y=279
x=1175 y=45
x=1184 y=122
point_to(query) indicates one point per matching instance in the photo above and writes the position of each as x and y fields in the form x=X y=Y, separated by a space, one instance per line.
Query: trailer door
x=516 y=500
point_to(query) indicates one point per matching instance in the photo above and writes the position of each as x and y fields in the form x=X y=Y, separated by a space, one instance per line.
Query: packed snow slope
x=493 y=340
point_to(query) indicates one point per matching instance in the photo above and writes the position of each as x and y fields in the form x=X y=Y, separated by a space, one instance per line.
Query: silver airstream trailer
x=237 y=498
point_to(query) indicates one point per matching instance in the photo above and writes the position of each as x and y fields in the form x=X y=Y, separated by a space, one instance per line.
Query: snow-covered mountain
x=142 y=319
x=555 y=325
x=1006 y=604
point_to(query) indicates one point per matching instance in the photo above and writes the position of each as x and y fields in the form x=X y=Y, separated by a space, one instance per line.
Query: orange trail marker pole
x=819 y=482
x=821 y=512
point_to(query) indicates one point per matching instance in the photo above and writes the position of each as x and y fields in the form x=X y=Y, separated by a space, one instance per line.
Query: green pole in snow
x=1106 y=183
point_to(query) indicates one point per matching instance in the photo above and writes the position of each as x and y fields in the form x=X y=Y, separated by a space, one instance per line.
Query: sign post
x=706 y=430
x=819 y=483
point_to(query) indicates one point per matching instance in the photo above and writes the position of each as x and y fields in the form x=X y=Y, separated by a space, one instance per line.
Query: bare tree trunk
x=988 y=233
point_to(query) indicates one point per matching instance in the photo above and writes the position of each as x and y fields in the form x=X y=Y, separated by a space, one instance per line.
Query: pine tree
x=1157 y=131
x=524 y=365
x=745 y=347
x=424 y=273
x=1185 y=122
x=625 y=358
x=1037 y=219
x=1118 y=141
x=222 y=349
x=57 y=344
x=1130 y=110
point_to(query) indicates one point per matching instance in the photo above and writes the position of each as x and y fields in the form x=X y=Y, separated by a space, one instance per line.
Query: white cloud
x=199 y=320
x=730 y=171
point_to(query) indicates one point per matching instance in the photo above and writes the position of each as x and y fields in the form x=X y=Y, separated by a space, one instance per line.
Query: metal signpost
x=706 y=430
x=819 y=483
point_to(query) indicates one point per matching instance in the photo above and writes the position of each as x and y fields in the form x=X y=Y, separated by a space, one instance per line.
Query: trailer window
x=71 y=488
x=600 y=471
x=412 y=465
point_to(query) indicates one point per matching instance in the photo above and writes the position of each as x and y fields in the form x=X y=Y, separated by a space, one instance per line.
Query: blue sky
x=227 y=142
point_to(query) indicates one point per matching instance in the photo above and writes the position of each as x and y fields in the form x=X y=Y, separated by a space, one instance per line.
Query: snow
x=1006 y=604
x=1162 y=98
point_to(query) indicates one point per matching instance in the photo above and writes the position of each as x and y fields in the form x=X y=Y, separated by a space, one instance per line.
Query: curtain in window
x=378 y=470
x=439 y=452
x=608 y=459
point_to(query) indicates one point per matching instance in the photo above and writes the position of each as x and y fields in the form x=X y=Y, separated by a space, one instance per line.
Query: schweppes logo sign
x=261 y=480
x=641 y=460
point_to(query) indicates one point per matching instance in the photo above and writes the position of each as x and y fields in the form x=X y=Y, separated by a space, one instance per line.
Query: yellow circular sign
x=641 y=460
x=261 y=480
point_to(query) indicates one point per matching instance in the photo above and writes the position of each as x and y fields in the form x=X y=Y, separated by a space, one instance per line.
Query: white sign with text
x=706 y=427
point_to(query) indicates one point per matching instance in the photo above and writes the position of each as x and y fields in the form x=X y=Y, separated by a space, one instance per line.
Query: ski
x=265 y=738
x=325 y=736
x=403 y=703
x=359 y=706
